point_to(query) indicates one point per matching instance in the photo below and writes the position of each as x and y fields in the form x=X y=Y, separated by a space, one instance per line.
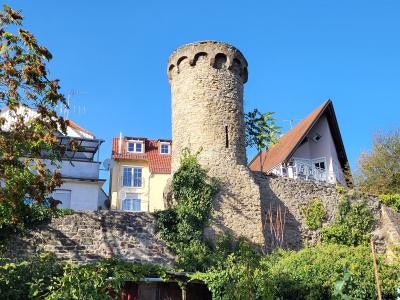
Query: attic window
x=135 y=147
x=164 y=148
x=316 y=137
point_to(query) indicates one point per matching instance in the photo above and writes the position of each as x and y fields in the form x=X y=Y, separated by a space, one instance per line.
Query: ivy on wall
x=182 y=226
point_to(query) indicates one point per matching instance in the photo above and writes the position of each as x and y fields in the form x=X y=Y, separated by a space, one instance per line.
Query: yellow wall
x=157 y=185
x=151 y=194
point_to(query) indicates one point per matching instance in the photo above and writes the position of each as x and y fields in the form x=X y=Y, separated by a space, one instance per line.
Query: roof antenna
x=291 y=122
x=65 y=109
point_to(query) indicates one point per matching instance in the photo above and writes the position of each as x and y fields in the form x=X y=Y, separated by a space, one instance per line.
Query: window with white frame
x=135 y=146
x=164 y=148
x=131 y=202
x=132 y=177
x=320 y=163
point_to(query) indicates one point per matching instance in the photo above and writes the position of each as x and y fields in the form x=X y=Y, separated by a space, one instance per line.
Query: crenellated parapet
x=217 y=54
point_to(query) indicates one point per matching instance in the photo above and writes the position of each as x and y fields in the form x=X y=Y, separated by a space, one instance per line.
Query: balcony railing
x=134 y=183
x=305 y=170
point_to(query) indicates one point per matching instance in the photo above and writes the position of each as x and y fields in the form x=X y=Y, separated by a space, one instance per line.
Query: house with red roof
x=140 y=170
x=312 y=150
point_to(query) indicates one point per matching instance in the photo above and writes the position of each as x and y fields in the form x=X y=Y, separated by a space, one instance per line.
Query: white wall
x=325 y=147
x=78 y=169
x=84 y=194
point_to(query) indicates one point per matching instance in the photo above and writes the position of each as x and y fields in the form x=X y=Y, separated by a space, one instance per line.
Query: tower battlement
x=218 y=55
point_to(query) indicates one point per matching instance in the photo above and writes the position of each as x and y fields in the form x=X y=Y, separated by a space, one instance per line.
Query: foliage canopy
x=24 y=85
x=261 y=130
x=379 y=170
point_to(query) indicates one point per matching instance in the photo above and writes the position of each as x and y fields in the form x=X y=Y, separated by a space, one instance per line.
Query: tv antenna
x=291 y=122
x=65 y=109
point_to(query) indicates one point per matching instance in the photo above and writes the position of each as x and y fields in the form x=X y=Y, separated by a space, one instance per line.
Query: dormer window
x=135 y=147
x=165 y=148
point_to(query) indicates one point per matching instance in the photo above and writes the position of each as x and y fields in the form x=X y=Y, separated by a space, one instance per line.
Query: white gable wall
x=325 y=147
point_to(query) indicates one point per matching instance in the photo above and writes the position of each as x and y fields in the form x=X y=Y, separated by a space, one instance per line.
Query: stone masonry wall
x=206 y=81
x=90 y=236
x=293 y=195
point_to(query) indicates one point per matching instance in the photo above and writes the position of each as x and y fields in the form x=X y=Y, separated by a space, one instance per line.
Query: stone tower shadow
x=272 y=205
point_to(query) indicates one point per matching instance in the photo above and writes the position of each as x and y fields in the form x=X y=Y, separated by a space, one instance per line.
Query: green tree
x=25 y=86
x=261 y=131
x=379 y=169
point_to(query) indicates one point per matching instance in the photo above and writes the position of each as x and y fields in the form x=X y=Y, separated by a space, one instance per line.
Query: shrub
x=352 y=225
x=312 y=273
x=234 y=276
x=44 y=277
x=314 y=213
x=31 y=215
x=391 y=200
x=28 y=278
x=99 y=280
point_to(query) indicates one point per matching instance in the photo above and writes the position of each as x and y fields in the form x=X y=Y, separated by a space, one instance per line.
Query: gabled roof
x=158 y=163
x=282 y=151
x=79 y=130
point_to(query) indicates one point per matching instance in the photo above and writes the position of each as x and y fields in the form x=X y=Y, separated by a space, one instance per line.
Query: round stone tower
x=206 y=81
x=207 y=102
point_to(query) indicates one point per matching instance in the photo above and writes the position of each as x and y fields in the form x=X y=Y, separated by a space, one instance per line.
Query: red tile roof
x=288 y=144
x=158 y=163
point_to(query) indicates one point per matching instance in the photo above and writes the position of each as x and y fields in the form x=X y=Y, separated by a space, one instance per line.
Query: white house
x=312 y=150
x=82 y=187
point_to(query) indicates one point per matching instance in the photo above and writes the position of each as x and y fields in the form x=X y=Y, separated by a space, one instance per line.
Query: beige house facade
x=139 y=173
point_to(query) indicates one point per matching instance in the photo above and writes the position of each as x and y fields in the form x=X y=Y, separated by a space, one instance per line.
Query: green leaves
x=44 y=277
x=261 y=130
x=379 y=169
x=391 y=200
x=181 y=227
x=29 y=278
x=317 y=272
x=315 y=213
x=25 y=86
x=352 y=226
x=100 y=280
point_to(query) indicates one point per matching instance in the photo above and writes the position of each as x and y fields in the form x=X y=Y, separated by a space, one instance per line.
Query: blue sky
x=113 y=54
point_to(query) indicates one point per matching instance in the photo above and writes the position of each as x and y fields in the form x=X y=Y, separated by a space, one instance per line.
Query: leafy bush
x=312 y=273
x=314 y=213
x=391 y=200
x=181 y=226
x=31 y=215
x=44 y=277
x=352 y=225
x=234 y=276
x=29 y=278
x=100 y=280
